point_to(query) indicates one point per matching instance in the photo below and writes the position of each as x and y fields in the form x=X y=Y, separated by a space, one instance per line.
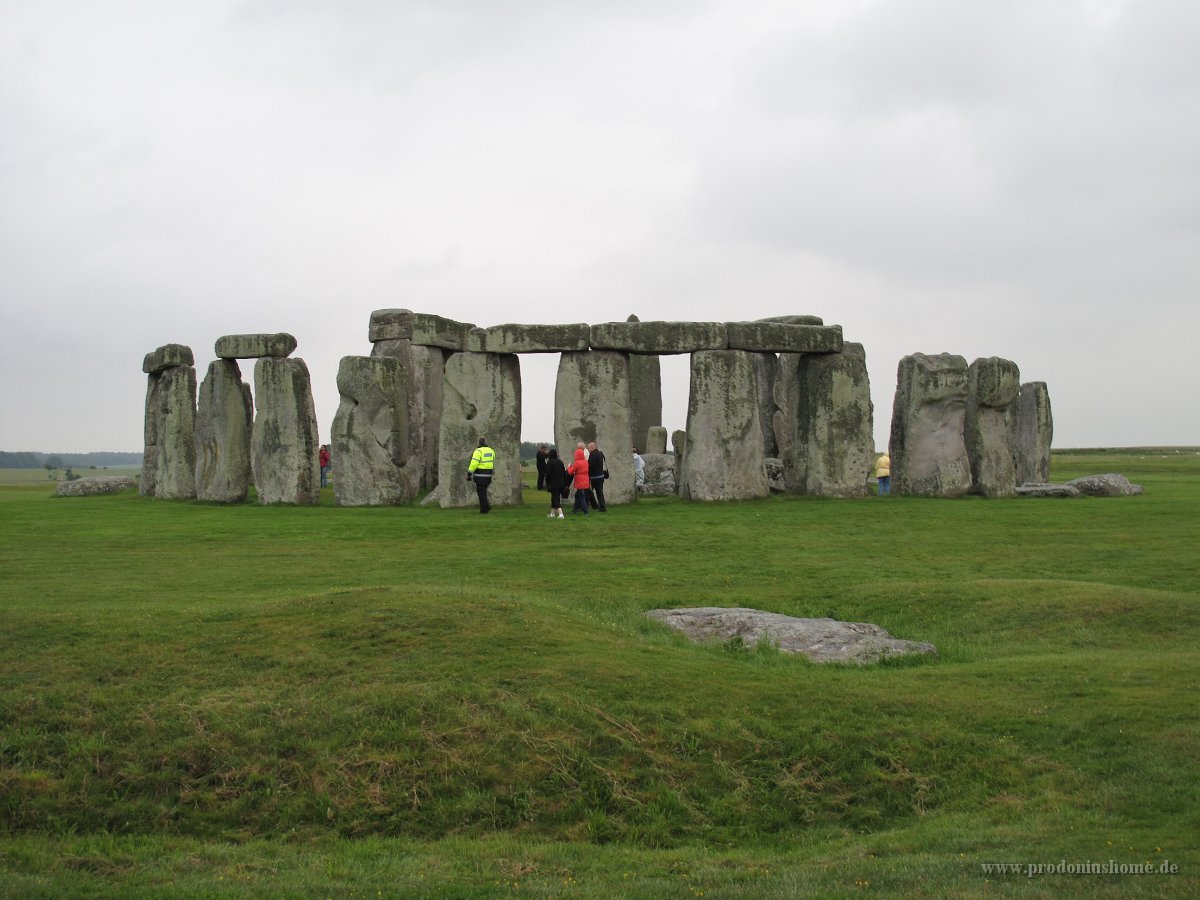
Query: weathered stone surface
x=656 y=440
x=992 y=386
x=678 y=443
x=591 y=403
x=1036 y=489
x=283 y=446
x=168 y=356
x=829 y=450
x=370 y=433
x=95 y=484
x=150 y=435
x=723 y=457
x=659 y=337
x=775 y=480
x=660 y=469
x=766 y=370
x=780 y=337
x=1031 y=431
x=253 y=346
x=1108 y=485
x=481 y=399
x=224 y=425
x=795 y=320
x=661 y=489
x=529 y=338
x=785 y=397
x=174 y=453
x=420 y=328
x=821 y=640
x=424 y=370
x=645 y=393
x=929 y=456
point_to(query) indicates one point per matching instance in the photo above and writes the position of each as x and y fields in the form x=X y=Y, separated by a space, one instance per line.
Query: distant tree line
x=31 y=460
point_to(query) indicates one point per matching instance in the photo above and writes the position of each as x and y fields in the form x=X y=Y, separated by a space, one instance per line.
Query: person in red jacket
x=579 y=469
x=323 y=459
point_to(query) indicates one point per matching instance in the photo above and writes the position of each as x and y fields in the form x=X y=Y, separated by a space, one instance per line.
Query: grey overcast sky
x=1016 y=178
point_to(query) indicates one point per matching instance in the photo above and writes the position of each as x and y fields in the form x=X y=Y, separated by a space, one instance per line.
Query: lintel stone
x=781 y=337
x=254 y=346
x=529 y=339
x=795 y=320
x=659 y=337
x=168 y=356
x=422 y=329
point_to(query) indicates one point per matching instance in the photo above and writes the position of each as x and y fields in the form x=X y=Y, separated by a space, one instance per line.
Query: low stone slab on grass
x=821 y=640
x=95 y=484
x=1047 y=489
x=1107 y=485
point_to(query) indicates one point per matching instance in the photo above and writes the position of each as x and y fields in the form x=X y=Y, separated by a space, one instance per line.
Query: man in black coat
x=597 y=473
x=542 y=456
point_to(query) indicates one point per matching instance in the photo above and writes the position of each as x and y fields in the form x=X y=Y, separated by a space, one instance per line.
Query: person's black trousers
x=482 y=483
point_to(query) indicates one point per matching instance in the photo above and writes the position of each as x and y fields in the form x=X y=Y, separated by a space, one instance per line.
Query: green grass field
x=230 y=701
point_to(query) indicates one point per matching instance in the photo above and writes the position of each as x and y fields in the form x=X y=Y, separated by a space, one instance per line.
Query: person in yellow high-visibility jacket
x=483 y=465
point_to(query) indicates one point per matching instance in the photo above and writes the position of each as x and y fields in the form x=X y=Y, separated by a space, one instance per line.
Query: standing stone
x=645 y=394
x=175 y=439
x=678 y=443
x=992 y=386
x=723 y=459
x=150 y=436
x=766 y=370
x=785 y=396
x=283 y=444
x=224 y=425
x=591 y=403
x=424 y=374
x=481 y=399
x=929 y=457
x=370 y=434
x=831 y=447
x=1031 y=431
x=656 y=440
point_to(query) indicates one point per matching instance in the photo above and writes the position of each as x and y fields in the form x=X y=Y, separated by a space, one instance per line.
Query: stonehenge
x=775 y=405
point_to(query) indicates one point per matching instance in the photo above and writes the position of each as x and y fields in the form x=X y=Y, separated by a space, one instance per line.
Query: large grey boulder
x=283 y=445
x=529 y=338
x=424 y=373
x=645 y=394
x=168 y=356
x=827 y=430
x=591 y=403
x=821 y=640
x=659 y=471
x=172 y=450
x=481 y=399
x=992 y=386
x=659 y=337
x=370 y=434
x=655 y=440
x=781 y=337
x=1108 y=485
x=1031 y=432
x=775 y=476
x=929 y=456
x=253 y=346
x=94 y=485
x=723 y=457
x=420 y=328
x=224 y=426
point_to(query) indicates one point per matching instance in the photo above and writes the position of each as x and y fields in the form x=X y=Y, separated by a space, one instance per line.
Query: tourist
x=323 y=459
x=579 y=469
x=542 y=456
x=639 y=468
x=883 y=474
x=597 y=473
x=556 y=482
x=483 y=463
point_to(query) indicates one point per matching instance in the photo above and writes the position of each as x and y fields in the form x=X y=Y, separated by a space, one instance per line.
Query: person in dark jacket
x=597 y=473
x=556 y=482
x=542 y=456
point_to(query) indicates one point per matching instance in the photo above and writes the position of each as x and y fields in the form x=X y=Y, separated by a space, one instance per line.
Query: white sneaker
x=560 y=514
x=551 y=516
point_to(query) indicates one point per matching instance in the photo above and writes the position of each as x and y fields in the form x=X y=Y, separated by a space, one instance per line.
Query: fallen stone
x=660 y=469
x=224 y=428
x=253 y=346
x=780 y=337
x=659 y=337
x=1107 y=485
x=821 y=640
x=591 y=403
x=168 y=356
x=529 y=339
x=929 y=456
x=662 y=489
x=420 y=328
x=1046 y=489
x=95 y=484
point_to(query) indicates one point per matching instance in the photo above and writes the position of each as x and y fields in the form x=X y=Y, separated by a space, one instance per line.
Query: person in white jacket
x=639 y=468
